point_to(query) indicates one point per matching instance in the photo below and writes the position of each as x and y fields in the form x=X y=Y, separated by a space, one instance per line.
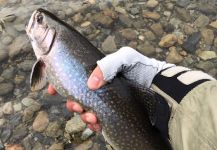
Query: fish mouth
x=31 y=22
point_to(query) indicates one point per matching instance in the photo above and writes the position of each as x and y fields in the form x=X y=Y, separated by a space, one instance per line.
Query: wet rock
x=129 y=34
x=26 y=65
x=205 y=65
x=27 y=101
x=208 y=36
x=19 y=133
x=146 y=49
x=109 y=45
x=201 y=21
x=86 y=24
x=20 y=27
x=183 y=3
x=125 y=21
x=19 y=79
x=175 y=22
x=190 y=44
x=188 y=29
x=152 y=3
x=8 y=108
x=41 y=121
x=57 y=146
x=168 y=40
x=169 y=6
x=121 y=10
x=157 y=29
x=214 y=24
x=134 y=10
x=38 y=146
x=206 y=55
x=8 y=73
x=1 y=114
x=17 y=107
x=149 y=36
x=75 y=125
x=174 y=56
x=27 y=115
x=86 y=134
x=3 y=54
x=53 y=130
x=27 y=142
x=2 y=122
x=7 y=40
x=15 y=120
x=13 y=147
x=10 y=18
x=151 y=15
x=215 y=42
x=103 y=20
x=20 y=45
x=77 y=17
x=207 y=8
x=85 y=145
x=183 y=14
x=5 y=135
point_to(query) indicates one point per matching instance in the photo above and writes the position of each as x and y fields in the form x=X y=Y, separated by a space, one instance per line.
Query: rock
x=3 y=54
x=57 y=146
x=142 y=38
x=41 y=121
x=13 y=147
x=183 y=3
x=8 y=73
x=121 y=10
x=10 y=18
x=125 y=20
x=214 y=24
x=134 y=10
x=86 y=134
x=169 y=6
x=152 y=3
x=2 y=122
x=206 y=55
x=175 y=22
x=215 y=42
x=109 y=45
x=149 y=36
x=201 y=21
x=26 y=65
x=19 y=133
x=146 y=49
x=151 y=15
x=183 y=14
x=103 y=20
x=20 y=27
x=207 y=8
x=20 y=45
x=190 y=44
x=173 y=56
x=168 y=40
x=84 y=145
x=205 y=65
x=1 y=113
x=26 y=142
x=17 y=107
x=27 y=115
x=75 y=125
x=86 y=24
x=188 y=29
x=77 y=17
x=129 y=34
x=5 y=134
x=53 y=129
x=27 y=101
x=208 y=36
x=157 y=29
x=38 y=146
x=8 y=108
x=19 y=79
x=7 y=40
x=111 y=13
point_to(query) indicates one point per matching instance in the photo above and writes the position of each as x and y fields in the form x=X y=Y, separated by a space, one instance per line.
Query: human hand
x=95 y=81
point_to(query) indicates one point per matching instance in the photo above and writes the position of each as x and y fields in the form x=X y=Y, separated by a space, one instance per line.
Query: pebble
x=5 y=134
x=175 y=22
x=8 y=73
x=27 y=115
x=207 y=36
x=151 y=15
x=168 y=40
x=146 y=48
x=190 y=45
x=41 y=121
x=3 y=54
x=152 y=3
x=8 y=108
x=201 y=21
x=149 y=36
x=19 y=79
x=188 y=29
x=207 y=8
x=13 y=147
x=1 y=113
x=17 y=107
x=77 y=17
x=183 y=14
x=27 y=101
x=157 y=29
x=20 y=27
x=2 y=122
x=85 y=145
x=56 y=146
x=86 y=134
x=103 y=20
x=174 y=56
x=53 y=129
x=205 y=65
x=129 y=34
x=215 y=42
x=206 y=55
x=26 y=65
x=7 y=40
x=125 y=21
x=10 y=18
x=182 y=3
x=19 y=132
x=86 y=24
x=109 y=45
x=214 y=24
x=75 y=125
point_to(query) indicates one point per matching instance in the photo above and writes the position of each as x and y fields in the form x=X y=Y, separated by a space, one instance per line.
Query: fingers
x=73 y=106
x=95 y=80
x=51 y=90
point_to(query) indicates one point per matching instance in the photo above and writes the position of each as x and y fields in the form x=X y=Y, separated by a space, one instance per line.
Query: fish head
x=41 y=30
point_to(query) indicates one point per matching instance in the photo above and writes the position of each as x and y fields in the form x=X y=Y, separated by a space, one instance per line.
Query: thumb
x=95 y=80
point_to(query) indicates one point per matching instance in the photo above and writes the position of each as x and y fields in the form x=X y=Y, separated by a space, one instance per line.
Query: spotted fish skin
x=67 y=60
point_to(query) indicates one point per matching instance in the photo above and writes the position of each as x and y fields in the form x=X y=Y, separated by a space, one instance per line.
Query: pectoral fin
x=38 y=76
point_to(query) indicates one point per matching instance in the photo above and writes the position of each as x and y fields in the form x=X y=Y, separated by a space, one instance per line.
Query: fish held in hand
x=65 y=59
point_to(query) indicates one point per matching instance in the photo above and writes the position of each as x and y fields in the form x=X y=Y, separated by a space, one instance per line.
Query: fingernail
x=95 y=81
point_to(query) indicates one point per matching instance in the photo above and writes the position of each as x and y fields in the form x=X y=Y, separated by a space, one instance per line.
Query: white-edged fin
x=38 y=76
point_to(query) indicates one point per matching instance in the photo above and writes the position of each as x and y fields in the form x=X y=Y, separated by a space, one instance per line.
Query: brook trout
x=65 y=58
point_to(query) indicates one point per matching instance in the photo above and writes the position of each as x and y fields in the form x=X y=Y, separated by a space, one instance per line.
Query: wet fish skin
x=66 y=58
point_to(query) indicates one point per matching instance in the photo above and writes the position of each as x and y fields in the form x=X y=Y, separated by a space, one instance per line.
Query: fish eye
x=39 y=18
